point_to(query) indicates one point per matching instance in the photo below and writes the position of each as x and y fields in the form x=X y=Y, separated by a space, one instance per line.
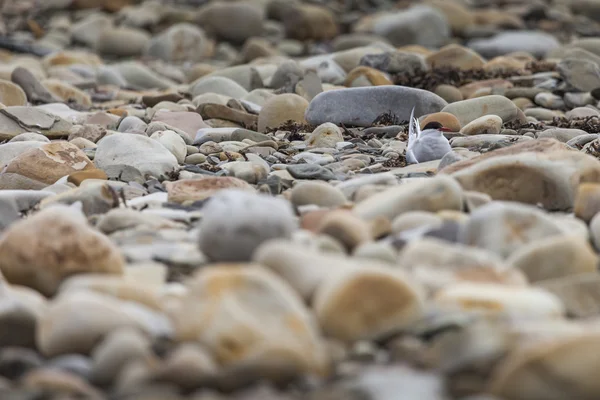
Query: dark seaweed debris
x=296 y=130
x=429 y=80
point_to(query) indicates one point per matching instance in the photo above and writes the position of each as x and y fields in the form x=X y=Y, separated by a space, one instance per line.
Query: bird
x=426 y=145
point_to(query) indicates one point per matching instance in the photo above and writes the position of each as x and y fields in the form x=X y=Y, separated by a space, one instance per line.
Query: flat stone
x=311 y=171
x=362 y=106
x=536 y=43
x=469 y=110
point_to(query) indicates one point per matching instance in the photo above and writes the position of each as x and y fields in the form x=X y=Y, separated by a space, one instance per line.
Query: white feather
x=414 y=132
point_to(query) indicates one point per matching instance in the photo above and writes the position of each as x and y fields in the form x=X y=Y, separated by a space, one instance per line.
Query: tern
x=427 y=145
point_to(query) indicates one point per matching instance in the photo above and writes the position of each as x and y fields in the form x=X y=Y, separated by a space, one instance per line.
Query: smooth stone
x=468 y=110
x=395 y=302
x=486 y=125
x=549 y=100
x=310 y=22
x=281 y=108
x=310 y=171
x=433 y=194
x=325 y=135
x=395 y=62
x=77 y=321
x=36 y=92
x=519 y=376
x=88 y=29
x=561 y=134
x=233 y=22
x=419 y=25
x=120 y=347
x=282 y=338
x=317 y=193
x=9 y=151
x=185 y=191
x=122 y=42
x=253 y=218
x=140 y=77
x=28 y=259
x=579 y=293
x=549 y=179
x=90 y=132
x=179 y=43
x=132 y=124
x=500 y=300
x=582 y=75
x=137 y=151
x=449 y=93
x=436 y=264
x=242 y=134
x=172 y=142
x=535 y=43
x=11 y=94
x=455 y=56
x=541 y=114
x=586 y=201
x=218 y=85
x=29 y=137
x=43 y=165
x=582 y=112
x=555 y=257
x=362 y=106
x=515 y=225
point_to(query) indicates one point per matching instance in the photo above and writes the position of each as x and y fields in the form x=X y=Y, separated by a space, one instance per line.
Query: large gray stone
x=145 y=154
x=361 y=106
x=535 y=43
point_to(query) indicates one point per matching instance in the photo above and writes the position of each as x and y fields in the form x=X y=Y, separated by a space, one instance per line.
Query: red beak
x=444 y=129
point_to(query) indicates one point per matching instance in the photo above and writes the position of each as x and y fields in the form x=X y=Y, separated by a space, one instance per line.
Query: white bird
x=427 y=145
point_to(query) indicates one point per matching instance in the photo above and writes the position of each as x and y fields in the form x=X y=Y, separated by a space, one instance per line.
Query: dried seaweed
x=429 y=80
x=295 y=129
x=589 y=124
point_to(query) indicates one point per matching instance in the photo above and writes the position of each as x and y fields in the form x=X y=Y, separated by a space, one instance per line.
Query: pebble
x=469 y=110
x=81 y=249
x=486 y=125
x=254 y=220
x=318 y=193
x=137 y=151
x=282 y=108
x=435 y=194
x=515 y=226
x=395 y=303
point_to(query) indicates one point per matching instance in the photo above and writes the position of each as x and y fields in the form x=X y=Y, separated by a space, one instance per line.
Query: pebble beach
x=230 y=199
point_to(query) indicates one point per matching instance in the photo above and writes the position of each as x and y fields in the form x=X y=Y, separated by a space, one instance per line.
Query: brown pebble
x=77 y=177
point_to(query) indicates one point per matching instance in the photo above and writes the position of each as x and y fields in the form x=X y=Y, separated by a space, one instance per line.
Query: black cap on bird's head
x=435 y=125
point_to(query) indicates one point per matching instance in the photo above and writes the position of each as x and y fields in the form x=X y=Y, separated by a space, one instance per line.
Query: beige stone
x=436 y=264
x=11 y=94
x=555 y=257
x=52 y=245
x=499 y=299
x=433 y=195
x=187 y=191
x=280 y=109
x=250 y=318
x=366 y=303
x=40 y=167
